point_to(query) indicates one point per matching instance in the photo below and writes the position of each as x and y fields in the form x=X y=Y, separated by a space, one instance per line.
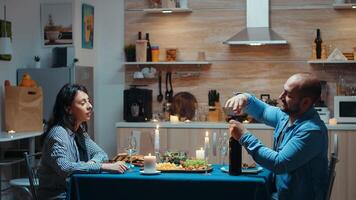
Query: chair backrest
x=32 y=167
x=332 y=164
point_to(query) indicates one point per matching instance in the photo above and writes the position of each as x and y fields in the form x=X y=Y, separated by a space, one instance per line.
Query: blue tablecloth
x=167 y=186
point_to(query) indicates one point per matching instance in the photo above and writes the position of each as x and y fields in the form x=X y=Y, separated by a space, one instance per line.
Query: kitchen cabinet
x=186 y=140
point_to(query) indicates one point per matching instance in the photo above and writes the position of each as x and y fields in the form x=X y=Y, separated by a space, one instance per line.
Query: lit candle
x=11 y=131
x=199 y=154
x=156 y=144
x=173 y=119
x=149 y=164
x=332 y=121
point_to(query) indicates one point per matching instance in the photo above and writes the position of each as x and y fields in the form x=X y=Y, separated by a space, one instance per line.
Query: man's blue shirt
x=299 y=161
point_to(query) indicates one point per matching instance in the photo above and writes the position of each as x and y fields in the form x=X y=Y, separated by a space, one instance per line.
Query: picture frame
x=87 y=26
x=57 y=24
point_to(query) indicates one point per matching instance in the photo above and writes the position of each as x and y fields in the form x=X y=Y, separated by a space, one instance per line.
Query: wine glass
x=206 y=151
x=223 y=146
x=131 y=149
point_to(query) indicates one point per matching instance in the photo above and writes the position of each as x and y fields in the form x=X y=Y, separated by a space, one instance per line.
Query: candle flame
x=201 y=148
x=149 y=154
x=157 y=126
x=206 y=134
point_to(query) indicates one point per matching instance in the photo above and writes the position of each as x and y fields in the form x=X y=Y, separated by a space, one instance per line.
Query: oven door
x=345 y=109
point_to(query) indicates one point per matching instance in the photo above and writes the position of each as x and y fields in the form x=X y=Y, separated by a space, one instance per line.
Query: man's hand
x=238 y=103
x=236 y=129
x=117 y=167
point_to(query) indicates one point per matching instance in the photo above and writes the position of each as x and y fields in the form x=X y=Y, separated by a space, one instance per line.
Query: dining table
x=188 y=185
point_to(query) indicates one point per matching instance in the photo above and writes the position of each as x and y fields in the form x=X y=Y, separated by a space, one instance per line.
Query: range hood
x=258 y=31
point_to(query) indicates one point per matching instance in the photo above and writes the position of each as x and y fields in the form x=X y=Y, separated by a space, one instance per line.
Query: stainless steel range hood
x=258 y=31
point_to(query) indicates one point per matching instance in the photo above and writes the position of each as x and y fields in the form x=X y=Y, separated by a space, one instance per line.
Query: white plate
x=254 y=170
x=149 y=173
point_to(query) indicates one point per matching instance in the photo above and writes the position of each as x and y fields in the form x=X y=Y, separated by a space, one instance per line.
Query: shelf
x=331 y=62
x=170 y=63
x=344 y=6
x=167 y=10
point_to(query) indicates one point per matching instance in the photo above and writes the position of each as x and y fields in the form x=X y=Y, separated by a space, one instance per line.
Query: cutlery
x=160 y=95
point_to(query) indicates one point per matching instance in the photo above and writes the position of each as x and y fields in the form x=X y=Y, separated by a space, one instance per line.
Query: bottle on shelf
x=235 y=157
x=149 y=49
x=318 y=44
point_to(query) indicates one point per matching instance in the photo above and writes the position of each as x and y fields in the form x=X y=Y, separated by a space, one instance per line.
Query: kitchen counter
x=214 y=125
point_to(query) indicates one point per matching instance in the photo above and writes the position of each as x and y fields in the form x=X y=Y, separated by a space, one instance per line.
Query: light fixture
x=5 y=42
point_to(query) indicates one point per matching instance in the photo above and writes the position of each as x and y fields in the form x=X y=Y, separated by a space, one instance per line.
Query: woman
x=67 y=147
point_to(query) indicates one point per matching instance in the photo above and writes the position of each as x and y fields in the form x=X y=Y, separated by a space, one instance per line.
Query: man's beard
x=290 y=110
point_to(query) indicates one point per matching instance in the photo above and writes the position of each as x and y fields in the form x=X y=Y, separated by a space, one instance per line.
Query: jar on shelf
x=155 y=53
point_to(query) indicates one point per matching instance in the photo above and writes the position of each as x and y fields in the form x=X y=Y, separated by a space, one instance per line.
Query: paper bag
x=23 y=108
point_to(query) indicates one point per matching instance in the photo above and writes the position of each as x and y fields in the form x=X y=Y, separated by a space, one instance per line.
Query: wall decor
x=56 y=24
x=87 y=26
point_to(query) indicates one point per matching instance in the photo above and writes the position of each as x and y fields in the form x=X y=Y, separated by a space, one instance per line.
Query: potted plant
x=37 y=62
x=130 y=53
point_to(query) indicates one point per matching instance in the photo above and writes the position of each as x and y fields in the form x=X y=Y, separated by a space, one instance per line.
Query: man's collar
x=306 y=115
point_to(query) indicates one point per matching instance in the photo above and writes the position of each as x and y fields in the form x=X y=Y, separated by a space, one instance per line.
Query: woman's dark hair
x=60 y=114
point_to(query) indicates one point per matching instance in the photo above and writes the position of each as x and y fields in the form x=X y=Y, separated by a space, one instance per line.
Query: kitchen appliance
x=52 y=80
x=258 y=30
x=345 y=109
x=324 y=114
x=137 y=105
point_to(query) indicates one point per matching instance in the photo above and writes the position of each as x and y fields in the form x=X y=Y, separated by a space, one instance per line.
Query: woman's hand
x=117 y=167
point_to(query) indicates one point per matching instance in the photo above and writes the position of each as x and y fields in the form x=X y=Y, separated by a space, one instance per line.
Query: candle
x=156 y=144
x=199 y=154
x=149 y=164
x=332 y=121
x=173 y=119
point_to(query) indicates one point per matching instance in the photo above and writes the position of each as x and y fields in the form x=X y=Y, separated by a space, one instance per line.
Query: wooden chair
x=332 y=164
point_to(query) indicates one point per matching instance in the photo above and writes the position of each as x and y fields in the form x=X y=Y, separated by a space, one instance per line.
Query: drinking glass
x=131 y=150
x=206 y=150
x=223 y=146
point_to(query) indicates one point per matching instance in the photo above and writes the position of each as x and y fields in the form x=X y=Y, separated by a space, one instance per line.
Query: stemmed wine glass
x=223 y=146
x=131 y=149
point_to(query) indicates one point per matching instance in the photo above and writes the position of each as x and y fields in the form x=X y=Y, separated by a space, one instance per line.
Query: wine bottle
x=318 y=41
x=149 y=49
x=235 y=156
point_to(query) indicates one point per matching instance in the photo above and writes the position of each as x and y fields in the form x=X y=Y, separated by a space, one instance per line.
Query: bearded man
x=298 y=159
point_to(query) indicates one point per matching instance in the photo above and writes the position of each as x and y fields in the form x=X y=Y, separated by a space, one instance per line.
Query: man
x=298 y=159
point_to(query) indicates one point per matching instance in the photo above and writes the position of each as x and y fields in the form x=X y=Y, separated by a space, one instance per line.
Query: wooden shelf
x=170 y=63
x=331 y=62
x=167 y=10
x=344 y=6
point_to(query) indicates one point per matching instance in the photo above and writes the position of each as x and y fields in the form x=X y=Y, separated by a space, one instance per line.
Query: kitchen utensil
x=170 y=84
x=213 y=97
x=160 y=95
x=167 y=92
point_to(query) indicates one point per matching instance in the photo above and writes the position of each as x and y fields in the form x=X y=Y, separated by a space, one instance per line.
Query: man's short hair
x=310 y=86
